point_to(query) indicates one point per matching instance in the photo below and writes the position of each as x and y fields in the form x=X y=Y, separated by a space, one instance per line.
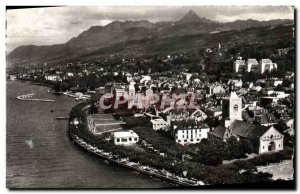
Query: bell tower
x=231 y=108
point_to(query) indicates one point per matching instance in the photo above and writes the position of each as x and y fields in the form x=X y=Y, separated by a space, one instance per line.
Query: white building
x=125 y=138
x=252 y=65
x=216 y=89
x=12 y=77
x=271 y=140
x=235 y=82
x=158 y=124
x=290 y=124
x=70 y=74
x=267 y=65
x=190 y=134
x=239 y=65
x=198 y=115
x=52 y=77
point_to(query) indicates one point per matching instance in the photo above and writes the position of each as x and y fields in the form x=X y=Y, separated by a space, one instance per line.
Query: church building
x=264 y=138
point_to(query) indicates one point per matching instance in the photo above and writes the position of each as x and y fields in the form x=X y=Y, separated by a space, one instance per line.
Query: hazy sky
x=55 y=25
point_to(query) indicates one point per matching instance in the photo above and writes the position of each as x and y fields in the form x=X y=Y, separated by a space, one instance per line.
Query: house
x=216 y=89
x=189 y=132
x=266 y=139
x=52 y=77
x=215 y=112
x=69 y=74
x=235 y=82
x=249 y=102
x=128 y=77
x=290 y=124
x=176 y=114
x=197 y=114
x=273 y=98
x=284 y=51
x=12 y=77
x=125 y=138
x=266 y=119
x=158 y=124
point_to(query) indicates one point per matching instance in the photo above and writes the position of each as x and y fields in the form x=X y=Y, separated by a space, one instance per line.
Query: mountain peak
x=190 y=17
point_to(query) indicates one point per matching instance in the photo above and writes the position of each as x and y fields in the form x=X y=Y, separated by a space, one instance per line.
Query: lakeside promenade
x=125 y=162
x=134 y=166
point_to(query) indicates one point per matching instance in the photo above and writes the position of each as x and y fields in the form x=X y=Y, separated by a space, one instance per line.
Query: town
x=184 y=109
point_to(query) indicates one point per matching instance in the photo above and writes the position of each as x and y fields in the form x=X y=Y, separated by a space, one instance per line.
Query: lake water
x=41 y=155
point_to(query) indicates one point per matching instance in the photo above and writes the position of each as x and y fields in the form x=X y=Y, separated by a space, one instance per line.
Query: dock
x=27 y=97
x=62 y=118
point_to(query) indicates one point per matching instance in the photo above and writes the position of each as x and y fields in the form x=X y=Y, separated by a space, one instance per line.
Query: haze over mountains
x=101 y=40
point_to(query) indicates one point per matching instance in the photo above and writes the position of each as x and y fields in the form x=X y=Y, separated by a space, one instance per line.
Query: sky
x=57 y=25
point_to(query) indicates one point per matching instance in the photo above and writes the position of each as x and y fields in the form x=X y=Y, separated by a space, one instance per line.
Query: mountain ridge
x=97 y=37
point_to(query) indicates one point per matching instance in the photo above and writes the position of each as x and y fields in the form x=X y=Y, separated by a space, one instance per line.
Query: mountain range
x=100 y=40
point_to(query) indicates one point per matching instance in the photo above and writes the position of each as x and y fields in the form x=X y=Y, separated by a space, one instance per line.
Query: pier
x=27 y=97
x=62 y=118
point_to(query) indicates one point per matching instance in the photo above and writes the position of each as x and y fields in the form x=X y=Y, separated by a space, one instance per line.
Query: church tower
x=231 y=108
x=131 y=95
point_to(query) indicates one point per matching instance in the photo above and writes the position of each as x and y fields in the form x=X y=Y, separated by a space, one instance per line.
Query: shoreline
x=34 y=83
x=109 y=157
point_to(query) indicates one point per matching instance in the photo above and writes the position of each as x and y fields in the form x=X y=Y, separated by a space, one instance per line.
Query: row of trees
x=212 y=152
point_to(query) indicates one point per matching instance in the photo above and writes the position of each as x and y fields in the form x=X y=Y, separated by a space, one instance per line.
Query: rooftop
x=122 y=134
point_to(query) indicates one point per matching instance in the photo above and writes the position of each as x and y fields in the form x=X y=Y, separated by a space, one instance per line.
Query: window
x=192 y=140
x=278 y=145
x=135 y=139
x=198 y=139
x=185 y=140
x=182 y=136
x=271 y=136
x=124 y=140
x=179 y=141
x=118 y=140
x=130 y=139
x=235 y=107
x=263 y=147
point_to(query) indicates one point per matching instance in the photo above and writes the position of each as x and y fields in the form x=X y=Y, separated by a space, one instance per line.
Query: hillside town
x=184 y=106
x=213 y=115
